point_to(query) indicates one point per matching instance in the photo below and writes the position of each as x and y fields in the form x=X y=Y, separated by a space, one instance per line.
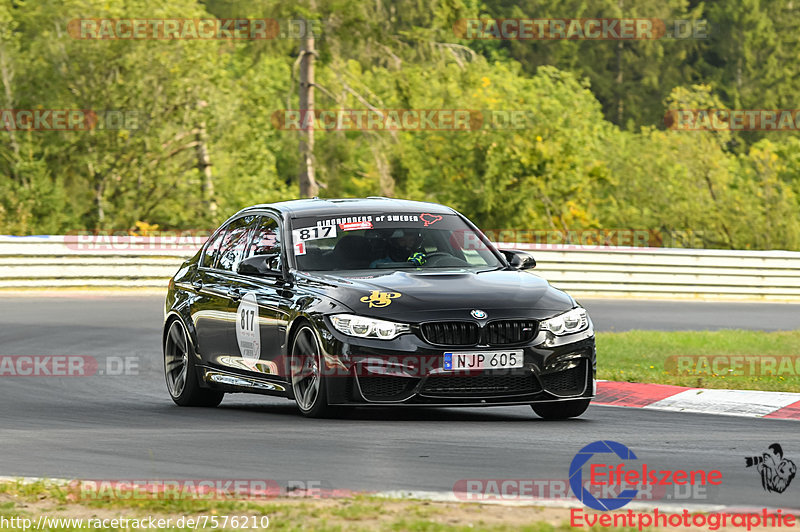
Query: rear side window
x=267 y=241
x=234 y=244
x=212 y=250
x=267 y=238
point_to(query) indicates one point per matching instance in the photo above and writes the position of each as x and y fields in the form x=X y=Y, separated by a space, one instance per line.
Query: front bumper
x=408 y=371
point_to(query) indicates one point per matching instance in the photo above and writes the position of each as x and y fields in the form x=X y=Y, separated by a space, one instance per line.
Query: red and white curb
x=746 y=403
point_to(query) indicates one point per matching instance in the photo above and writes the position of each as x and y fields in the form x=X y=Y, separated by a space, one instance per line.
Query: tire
x=180 y=371
x=309 y=386
x=561 y=409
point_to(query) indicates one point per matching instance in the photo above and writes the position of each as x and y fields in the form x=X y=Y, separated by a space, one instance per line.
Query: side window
x=267 y=241
x=212 y=250
x=234 y=244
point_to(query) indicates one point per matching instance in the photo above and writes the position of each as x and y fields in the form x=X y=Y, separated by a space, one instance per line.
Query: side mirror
x=261 y=265
x=519 y=260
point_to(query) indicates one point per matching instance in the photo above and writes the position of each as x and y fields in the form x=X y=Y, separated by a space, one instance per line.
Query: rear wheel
x=181 y=373
x=308 y=381
x=561 y=409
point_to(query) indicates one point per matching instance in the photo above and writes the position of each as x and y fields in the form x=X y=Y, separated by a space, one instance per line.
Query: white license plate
x=483 y=360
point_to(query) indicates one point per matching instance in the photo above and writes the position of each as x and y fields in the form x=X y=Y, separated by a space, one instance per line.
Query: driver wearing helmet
x=402 y=245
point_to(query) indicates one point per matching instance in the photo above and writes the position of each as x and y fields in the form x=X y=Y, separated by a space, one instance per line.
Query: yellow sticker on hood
x=379 y=299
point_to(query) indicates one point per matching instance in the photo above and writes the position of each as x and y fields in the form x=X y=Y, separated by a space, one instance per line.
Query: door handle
x=234 y=294
x=197 y=284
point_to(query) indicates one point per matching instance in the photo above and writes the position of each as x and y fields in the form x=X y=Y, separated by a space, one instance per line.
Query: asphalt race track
x=623 y=315
x=125 y=426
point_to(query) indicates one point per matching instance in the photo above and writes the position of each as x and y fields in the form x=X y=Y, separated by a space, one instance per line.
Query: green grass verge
x=359 y=513
x=664 y=358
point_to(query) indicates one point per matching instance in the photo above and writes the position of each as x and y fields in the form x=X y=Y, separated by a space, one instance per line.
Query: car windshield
x=389 y=241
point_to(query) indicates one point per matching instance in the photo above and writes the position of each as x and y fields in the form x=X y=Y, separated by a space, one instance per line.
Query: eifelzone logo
x=776 y=471
x=576 y=475
x=620 y=483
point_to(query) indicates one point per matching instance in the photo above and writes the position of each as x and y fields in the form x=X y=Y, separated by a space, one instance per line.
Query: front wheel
x=181 y=373
x=561 y=409
x=308 y=381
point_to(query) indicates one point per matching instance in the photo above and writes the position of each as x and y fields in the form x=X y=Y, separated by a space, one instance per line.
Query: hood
x=415 y=296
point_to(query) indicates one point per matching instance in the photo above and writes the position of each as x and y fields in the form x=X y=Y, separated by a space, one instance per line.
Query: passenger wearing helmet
x=402 y=245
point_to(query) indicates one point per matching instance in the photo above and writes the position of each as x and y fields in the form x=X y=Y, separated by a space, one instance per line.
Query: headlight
x=364 y=327
x=570 y=322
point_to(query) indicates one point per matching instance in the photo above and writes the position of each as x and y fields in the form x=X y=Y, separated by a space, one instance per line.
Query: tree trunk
x=204 y=165
x=8 y=78
x=99 y=189
x=620 y=78
x=306 y=179
x=385 y=180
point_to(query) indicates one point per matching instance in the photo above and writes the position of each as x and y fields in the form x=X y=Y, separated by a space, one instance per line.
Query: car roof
x=345 y=206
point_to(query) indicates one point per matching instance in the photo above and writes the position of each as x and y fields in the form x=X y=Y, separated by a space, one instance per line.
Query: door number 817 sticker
x=248 y=332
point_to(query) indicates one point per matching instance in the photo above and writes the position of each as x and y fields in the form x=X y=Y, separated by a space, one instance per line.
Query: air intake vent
x=510 y=332
x=496 y=333
x=451 y=332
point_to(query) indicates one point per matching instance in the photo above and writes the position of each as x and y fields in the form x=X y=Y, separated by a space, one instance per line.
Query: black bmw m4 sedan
x=376 y=301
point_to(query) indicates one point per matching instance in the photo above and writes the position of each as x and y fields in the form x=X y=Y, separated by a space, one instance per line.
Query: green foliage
x=594 y=151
